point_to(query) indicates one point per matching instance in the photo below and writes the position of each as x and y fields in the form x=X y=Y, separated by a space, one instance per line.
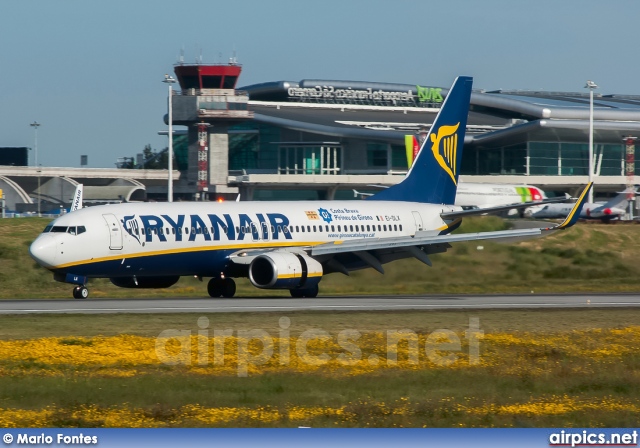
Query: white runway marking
x=377 y=303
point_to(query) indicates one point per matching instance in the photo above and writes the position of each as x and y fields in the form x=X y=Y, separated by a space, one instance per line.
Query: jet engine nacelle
x=284 y=270
x=145 y=282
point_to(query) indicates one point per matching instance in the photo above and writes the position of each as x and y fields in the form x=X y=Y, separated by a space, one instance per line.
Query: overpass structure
x=23 y=186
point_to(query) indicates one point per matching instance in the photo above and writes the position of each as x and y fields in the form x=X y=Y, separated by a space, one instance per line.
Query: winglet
x=574 y=214
x=76 y=204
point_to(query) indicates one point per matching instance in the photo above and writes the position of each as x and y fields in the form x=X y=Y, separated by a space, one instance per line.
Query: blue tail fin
x=433 y=177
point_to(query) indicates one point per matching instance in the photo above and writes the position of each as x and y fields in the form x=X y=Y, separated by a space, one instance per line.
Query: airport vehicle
x=605 y=211
x=277 y=245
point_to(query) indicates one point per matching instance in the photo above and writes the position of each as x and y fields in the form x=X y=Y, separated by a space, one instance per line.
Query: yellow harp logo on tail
x=445 y=149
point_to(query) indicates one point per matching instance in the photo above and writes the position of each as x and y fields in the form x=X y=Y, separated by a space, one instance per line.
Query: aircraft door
x=418 y=219
x=115 y=231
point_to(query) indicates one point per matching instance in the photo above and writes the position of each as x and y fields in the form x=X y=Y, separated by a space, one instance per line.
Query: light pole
x=35 y=125
x=591 y=86
x=170 y=80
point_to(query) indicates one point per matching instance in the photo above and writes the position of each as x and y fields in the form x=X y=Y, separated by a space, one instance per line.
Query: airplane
x=484 y=195
x=481 y=195
x=605 y=211
x=277 y=245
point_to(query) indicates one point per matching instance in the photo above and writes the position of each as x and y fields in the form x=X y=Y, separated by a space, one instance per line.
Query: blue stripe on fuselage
x=206 y=262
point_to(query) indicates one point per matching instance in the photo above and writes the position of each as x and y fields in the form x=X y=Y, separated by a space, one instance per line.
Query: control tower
x=208 y=104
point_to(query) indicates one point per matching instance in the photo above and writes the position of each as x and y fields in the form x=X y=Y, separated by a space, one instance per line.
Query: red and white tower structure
x=208 y=105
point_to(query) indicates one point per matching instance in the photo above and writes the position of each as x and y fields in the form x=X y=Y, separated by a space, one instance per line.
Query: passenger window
x=351 y=228
x=385 y=227
x=193 y=230
x=314 y=228
x=333 y=228
x=302 y=229
x=179 y=230
x=308 y=228
x=297 y=229
x=401 y=227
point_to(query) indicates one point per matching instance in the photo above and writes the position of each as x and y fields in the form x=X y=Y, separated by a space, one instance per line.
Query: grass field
x=535 y=368
x=532 y=368
x=593 y=257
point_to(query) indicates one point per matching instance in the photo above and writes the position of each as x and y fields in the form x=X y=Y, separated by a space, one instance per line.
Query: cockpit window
x=77 y=230
x=73 y=230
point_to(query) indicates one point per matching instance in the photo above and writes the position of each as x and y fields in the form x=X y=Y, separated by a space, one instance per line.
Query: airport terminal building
x=321 y=139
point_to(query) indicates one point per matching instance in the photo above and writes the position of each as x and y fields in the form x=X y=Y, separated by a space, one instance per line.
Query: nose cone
x=43 y=250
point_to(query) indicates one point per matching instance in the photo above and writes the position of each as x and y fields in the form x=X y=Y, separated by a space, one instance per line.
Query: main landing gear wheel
x=306 y=292
x=221 y=287
x=80 y=292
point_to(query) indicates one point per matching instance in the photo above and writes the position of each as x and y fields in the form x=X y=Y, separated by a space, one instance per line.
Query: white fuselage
x=196 y=238
x=589 y=211
x=492 y=195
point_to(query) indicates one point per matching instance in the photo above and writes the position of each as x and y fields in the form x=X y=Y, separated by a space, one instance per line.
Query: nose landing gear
x=80 y=292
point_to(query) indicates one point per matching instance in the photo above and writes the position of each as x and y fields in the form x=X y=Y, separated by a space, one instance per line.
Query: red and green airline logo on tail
x=528 y=194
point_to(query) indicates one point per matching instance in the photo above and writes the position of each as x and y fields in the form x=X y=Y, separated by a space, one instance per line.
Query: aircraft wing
x=500 y=208
x=427 y=238
x=419 y=240
x=419 y=246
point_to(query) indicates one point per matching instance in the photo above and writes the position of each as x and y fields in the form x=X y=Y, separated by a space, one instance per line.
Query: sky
x=90 y=71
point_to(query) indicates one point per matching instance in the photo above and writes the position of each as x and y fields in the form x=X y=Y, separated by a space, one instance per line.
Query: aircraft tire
x=215 y=287
x=80 y=292
x=228 y=288
x=306 y=292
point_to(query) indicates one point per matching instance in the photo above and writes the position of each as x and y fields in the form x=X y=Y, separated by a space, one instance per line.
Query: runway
x=354 y=303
